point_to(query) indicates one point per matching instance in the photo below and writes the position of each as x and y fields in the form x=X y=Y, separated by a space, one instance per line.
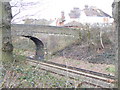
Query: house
x=90 y=15
x=59 y=21
x=75 y=13
x=93 y=15
x=73 y=24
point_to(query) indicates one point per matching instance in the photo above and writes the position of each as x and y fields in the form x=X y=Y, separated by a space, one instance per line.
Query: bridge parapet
x=30 y=29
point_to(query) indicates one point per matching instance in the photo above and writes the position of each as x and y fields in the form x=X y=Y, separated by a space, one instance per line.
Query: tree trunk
x=116 y=16
x=6 y=48
x=118 y=33
x=101 y=40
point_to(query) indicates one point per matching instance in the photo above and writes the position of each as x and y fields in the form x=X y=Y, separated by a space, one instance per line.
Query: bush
x=91 y=36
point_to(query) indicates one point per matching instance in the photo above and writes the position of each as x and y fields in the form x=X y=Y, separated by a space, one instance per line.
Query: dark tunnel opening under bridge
x=39 y=53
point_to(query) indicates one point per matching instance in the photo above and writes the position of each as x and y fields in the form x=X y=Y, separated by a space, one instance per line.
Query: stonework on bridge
x=53 y=38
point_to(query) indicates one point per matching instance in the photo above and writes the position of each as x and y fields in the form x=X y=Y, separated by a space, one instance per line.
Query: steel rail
x=81 y=75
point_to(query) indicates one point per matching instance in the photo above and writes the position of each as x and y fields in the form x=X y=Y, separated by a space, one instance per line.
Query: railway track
x=82 y=76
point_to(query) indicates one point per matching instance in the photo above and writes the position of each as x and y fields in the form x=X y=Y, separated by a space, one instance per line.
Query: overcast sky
x=50 y=9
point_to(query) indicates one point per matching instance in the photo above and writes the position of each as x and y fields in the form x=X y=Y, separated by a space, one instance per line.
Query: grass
x=111 y=69
x=24 y=75
x=33 y=77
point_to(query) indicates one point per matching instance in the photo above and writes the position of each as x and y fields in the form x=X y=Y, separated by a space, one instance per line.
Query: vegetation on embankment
x=25 y=75
x=101 y=47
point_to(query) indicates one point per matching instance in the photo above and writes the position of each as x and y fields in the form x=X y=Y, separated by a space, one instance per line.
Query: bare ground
x=102 y=60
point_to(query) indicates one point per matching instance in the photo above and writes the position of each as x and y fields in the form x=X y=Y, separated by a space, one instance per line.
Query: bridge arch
x=39 y=54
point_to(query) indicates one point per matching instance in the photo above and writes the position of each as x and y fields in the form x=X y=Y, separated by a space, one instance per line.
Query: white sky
x=50 y=9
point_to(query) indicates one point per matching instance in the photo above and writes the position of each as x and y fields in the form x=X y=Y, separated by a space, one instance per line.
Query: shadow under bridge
x=39 y=54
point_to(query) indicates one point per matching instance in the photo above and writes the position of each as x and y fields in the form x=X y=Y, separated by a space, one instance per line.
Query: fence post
x=6 y=48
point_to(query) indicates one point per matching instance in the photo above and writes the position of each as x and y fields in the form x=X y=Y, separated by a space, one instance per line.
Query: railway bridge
x=46 y=38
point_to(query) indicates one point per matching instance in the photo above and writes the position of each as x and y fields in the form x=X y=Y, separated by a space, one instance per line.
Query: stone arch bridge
x=46 y=38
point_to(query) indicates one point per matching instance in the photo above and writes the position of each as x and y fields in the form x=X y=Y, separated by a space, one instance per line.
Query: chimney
x=62 y=15
x=86 y=6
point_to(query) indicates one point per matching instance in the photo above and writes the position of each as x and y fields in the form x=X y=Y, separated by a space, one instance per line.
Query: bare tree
x=19 y=7
x=6 y=47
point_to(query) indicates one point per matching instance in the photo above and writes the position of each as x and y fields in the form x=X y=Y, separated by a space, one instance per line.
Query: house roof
x=73 y=23
x=93 y=11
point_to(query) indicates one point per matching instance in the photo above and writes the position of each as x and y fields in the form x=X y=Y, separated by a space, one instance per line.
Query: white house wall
x=95 y=19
